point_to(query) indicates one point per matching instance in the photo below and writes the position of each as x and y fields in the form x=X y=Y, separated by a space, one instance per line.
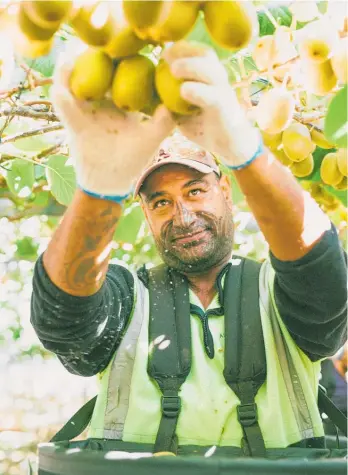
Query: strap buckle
x=171 y=405
x=247 y=414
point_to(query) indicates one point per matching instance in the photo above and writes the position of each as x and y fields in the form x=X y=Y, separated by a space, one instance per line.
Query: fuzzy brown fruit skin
x=320 y=78
x=342 y=185
x=297 y=142
x=168 y=89
x=133 y=86
x=94 y=34
x=275 y=110
x=176 y=24
x=303 y=168
x=284 y=49
x=329 y=171
x=342 y=161
x=124 y=43
x=142 y=15
x=48 y=14
x=31 y=48
x=325 y=199
x=231 y=24
x=92 y=75
x=263 y=52
x=282 y=158
x=317 y=41
x=30 y=29
x=315 y=50
x=272 y=141
x=320 y=140
x=339 y=61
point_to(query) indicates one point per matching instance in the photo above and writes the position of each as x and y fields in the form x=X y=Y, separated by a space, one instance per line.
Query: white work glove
x=221 y=125
x=109 y=147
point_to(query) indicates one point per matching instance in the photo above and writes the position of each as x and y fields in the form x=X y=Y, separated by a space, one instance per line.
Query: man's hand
x=109 y=147
x=289 y=218
x=221 y=126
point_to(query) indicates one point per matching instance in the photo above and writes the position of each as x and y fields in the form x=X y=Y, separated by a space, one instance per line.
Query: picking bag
x=110 y=457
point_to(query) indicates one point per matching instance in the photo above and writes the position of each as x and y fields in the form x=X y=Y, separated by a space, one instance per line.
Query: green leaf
x=129 y=225
x=39 y=171
x=40 y=199
x=233 y=68
x=28 y=144
x=45 y=91
x=53 y=208
x=16 y=332
x=45 y=64
x=322 y=6
x=20 y=178
x=31 y=144
x=26 y=249
x=336 y=120
x=282 y=16
x=61 y=178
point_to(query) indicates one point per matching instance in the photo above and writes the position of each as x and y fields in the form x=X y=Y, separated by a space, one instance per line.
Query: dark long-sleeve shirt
x=84 y=332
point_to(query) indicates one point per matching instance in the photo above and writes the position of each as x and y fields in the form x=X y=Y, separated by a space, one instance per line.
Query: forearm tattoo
x=88 y=268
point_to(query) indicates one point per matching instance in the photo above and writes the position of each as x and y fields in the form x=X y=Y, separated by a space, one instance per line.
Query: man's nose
x=183 y=215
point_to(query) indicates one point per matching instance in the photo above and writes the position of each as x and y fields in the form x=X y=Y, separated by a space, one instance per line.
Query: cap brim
x=201 y=167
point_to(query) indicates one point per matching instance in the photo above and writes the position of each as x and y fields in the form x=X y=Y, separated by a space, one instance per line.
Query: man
x=95 y=316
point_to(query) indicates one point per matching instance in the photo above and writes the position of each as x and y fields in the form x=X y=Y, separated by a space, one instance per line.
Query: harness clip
x=247 y=414
x=171 y=405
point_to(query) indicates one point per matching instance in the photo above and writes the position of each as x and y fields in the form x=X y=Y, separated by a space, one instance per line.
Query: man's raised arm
x=76 y=259
x=110 y=148
x=80 y=304
x=310 y=267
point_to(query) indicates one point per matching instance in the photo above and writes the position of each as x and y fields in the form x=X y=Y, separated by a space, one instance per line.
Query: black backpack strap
x=245 y=359
x=77 y=423
x=169 y=347
x=327 y=406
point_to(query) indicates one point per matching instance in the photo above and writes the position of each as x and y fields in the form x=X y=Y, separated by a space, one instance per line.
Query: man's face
x=190 y=216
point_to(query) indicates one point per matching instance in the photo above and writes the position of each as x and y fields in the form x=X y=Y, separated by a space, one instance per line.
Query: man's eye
x=160 y=203
x=196 y=191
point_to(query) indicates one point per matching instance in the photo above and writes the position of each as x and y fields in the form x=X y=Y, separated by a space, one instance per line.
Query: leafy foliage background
x=37 y=182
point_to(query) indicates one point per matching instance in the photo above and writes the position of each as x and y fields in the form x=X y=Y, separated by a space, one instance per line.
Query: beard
x=199 y=247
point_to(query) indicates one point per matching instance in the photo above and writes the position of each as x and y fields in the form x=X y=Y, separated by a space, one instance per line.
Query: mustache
x=204 y=221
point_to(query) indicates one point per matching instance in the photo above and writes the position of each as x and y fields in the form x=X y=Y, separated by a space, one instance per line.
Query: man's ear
x=144 y=207
x=226 y=187
x=142 y=203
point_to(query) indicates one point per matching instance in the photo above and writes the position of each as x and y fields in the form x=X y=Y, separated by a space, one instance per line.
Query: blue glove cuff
x=260 y=150
x=115 y=198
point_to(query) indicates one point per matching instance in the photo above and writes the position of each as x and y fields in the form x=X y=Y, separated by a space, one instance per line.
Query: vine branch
x=31 y=133
x=256 y=74
x=30 y=113
x=48 y=151
x=24 y=87
x=36 y=159
x=38 y=102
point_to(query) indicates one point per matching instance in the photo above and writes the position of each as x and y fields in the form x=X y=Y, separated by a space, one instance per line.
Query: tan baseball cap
x=177 y=149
